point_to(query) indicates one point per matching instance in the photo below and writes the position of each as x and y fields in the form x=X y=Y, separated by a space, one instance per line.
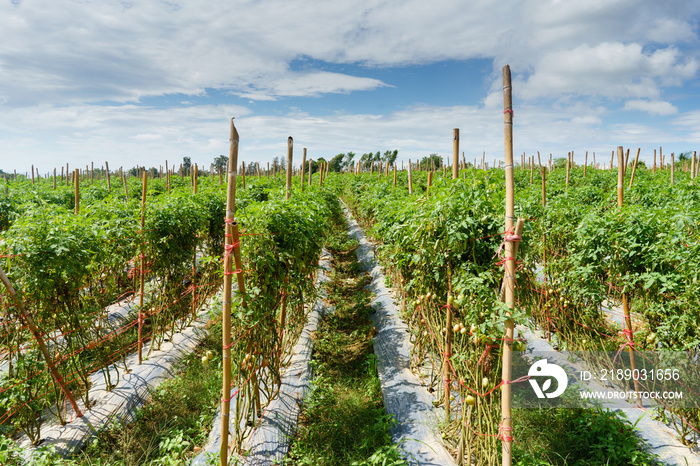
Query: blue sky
x=140 y=82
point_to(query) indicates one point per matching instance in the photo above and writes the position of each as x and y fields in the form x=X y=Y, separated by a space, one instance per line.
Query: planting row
x=68 y=268
x=579 y=253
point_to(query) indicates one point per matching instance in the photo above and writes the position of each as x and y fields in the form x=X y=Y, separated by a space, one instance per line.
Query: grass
x=177 y=418
x=343 y=421
x=576 y=437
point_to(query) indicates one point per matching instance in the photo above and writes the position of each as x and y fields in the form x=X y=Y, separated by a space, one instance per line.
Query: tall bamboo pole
x=40 y=342
x=410 y=178
x=142 y=265
x=303 y=166
x=693 y=168
x=54 y=179
x=109 y=181
x=232 y=257
x=290 y=153
x=242 y=175
x=76 y=177
x=625 y=297
x=455 y=154
x=506 y=420
x=673 y=167
x=448 y=347
x=634 y=167
x=585 y=165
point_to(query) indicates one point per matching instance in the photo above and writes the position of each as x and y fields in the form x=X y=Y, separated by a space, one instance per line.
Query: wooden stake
x=303 y=166
x=109 y=181
x=142 y=266
x=506 y=419
x=448 y=347
x=625 y=301
x=290 y=153
x=76 y=176
x=394 y=175
x=585 y=165
x=54 y=179
x=32 y=173
x=40 y=342
x=693 y=168
x=410 y=178
x=242 y=175
x=455 y=155
x=232 y=255
x=653 y=170
x=673 y=167
x=195 y=176
x=634 y=167
x=568 y=168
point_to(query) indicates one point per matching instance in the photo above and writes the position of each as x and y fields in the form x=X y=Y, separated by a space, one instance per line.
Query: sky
x=140 y=82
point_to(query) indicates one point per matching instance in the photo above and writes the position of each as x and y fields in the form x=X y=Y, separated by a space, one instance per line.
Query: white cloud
x=655 y=107
x=56 y=57
x=609 y=69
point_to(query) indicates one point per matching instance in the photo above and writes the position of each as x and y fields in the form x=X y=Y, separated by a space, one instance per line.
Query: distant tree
x=684 y=156
x=366 y=160
x=186 y=165
x=153 y=172
x=348 y=159
x=336 y=163
x=390 y=156
x=435 y=158
x=559 y=162
x=221 y=162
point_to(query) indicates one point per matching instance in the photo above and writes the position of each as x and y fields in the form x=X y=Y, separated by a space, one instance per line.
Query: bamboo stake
x=40 y=342
x=126 y=187
x=568 y=167
x=634 y=167
x=448 y=347
x=519 y=226
x=430 y=182
x=625 y=298
x=232 y=255
x=693 y=168
x=506 y=420
x=290 y=153
x=54 y=179
x=455 y=154
x=544 y=249
x=77 y=191
x=32 y=174
x=410 y=178
x=303 y=166
x=109 y=181
x=532 y=164
x=243 y=175
x=142 y=266
x=673 y=167
x=394 y=175
x=585 y=165
x=195 y=176
x=654 y=166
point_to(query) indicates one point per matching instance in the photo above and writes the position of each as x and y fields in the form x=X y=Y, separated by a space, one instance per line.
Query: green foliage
x=576 y=437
